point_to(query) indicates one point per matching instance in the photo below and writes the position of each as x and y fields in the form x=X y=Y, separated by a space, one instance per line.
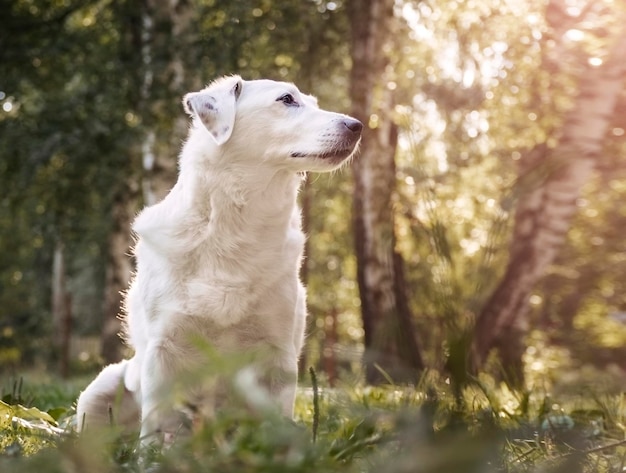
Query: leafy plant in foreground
x=359 y=429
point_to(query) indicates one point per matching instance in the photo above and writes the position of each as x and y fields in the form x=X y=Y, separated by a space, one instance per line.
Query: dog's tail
x=107 y=401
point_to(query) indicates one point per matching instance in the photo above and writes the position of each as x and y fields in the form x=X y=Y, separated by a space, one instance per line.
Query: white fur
x=219 y=257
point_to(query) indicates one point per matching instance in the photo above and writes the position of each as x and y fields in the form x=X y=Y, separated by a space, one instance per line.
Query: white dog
x=219 y=257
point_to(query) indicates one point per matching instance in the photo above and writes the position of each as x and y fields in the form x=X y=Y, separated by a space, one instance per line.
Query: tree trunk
x=329 y=355
x=61 y=311
x=545 y=209
x=390 y=344
x=118 y=271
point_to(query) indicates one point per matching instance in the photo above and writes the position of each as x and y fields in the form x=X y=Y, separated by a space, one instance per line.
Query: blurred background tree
x=478 y=115
x=389 y=338
x=552 y=174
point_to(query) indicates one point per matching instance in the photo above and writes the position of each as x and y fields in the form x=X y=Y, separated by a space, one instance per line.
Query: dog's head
x=273 y=122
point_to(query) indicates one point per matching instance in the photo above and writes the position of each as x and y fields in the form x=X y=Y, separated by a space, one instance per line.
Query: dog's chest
x=223 y=263
x=230 y=277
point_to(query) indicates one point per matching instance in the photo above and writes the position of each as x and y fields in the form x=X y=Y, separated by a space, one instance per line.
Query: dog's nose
x=353 y=125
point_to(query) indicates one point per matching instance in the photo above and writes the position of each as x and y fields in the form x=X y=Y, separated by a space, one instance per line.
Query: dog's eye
x=287 y=99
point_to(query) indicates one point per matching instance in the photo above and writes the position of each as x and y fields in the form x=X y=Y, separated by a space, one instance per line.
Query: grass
x=353 y=428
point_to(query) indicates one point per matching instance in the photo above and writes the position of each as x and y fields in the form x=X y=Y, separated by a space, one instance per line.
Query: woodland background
x=479 y=230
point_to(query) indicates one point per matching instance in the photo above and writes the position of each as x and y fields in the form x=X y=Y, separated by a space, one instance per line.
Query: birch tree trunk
x=390 y=343
x=544 y=212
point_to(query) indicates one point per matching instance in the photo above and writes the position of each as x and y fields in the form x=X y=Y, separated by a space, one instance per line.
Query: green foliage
x=473 y=100
x=360 y=429
x=60 y=163
x=26 y=429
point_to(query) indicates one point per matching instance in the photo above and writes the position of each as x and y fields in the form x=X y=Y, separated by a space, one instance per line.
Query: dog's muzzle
x=350 y=135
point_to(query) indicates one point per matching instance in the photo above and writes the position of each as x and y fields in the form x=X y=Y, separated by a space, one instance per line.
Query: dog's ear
x=215 y=107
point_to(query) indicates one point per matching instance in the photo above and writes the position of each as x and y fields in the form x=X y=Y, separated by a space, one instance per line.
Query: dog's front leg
x=159 y=420
x=283 y=378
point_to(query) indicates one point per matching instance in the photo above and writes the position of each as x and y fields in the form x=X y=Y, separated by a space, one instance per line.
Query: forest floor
x=351 y=428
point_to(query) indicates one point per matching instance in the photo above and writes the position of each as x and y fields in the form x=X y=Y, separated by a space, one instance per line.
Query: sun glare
x=595 y=61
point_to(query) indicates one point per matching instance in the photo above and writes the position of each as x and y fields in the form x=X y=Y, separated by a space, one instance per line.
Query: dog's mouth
x=334 y=155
